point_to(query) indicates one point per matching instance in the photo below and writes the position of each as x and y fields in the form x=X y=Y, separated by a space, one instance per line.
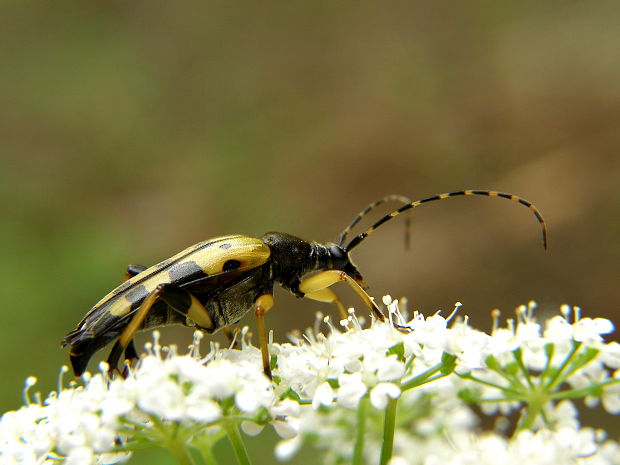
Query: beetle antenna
x=360 y=237
x=372 y=206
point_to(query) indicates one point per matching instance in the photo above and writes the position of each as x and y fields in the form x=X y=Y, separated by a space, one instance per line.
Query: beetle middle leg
x=261 y=306
x=177 y=300
x=314 y=287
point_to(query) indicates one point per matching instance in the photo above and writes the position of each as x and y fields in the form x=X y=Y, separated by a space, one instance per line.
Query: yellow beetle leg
x=327 y=278
x=130 y=350
x=134 y=324
x=330 y=297
x=177 y=300
x=261 y=306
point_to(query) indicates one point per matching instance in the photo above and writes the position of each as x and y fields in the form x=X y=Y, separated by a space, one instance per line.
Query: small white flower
x=351 y=390
x=286 y=449
x=381 y=392
x=250 y=428
x=590 y=330
x=324 y=395
x=194 y=395
x=558 y=330
x=391 y=369
x=80 y=456
x=286 y=420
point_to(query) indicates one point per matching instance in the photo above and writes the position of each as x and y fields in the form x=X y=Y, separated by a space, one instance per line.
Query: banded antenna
x=360 y=237
x=372 y=206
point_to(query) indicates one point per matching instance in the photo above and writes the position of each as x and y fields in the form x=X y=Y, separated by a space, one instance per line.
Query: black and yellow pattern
x=213 y=284
x=218 y=261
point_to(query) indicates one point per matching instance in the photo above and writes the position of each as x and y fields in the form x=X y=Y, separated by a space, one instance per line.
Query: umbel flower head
x=399 y=392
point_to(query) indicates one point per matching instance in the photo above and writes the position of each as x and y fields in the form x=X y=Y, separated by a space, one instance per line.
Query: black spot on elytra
x=231 y=265
x=185 y=271
x=136 y=294
x=226 y=245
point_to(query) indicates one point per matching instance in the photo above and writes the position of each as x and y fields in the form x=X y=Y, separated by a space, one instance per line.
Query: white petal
x=288 y=448
x=250 y=428
x=380 y=393
x=324 y=395
x=391 y=369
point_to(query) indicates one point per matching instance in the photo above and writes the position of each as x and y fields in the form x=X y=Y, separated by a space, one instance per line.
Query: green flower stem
x=432 y=378
x=518 y=356
x=549 y=351
x=533 y=410
x=581 y=361
x=236 y=441
x=421 y=378
x=409 y=362
x=507 y=390
x=203 y=443
x=360 y=434
x=581 y=392
x=388 y=431
x=180 y=453
x=557 y=379
x=206 y=453
x=173 y=441
x=513 y=380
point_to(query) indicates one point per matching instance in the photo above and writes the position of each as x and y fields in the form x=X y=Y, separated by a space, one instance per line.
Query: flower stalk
x=360 y=434
x=236 y=441
x=389 y=426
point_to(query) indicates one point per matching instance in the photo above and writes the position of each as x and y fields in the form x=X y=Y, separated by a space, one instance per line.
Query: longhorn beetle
x=212 y=284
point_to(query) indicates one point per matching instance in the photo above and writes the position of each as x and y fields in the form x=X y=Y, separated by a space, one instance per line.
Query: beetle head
x=341 y=261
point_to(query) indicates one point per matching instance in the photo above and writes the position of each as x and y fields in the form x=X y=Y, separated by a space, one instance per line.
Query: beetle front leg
x=330 y=297
x=261 y=306
x=315 y=284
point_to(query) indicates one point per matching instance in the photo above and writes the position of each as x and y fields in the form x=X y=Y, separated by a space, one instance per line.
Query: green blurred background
x=129 y=130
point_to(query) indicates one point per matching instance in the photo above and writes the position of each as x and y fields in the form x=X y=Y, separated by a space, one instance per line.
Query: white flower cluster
x=328 y=387
x=343 y=368
x=584 y=446
x=87 y=424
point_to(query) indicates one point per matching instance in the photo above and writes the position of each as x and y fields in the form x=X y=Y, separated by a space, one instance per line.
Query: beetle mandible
x=213 y=284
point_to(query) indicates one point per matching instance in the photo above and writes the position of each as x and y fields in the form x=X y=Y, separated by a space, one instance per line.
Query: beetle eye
x=339 y=257
x=337 y=252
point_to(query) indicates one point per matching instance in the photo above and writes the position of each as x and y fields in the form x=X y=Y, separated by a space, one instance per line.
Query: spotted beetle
x=213 y=284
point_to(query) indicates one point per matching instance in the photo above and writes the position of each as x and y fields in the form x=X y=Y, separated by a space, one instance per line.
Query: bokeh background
x=129 y=130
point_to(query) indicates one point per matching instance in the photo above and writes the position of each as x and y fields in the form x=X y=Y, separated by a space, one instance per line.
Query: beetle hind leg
x=177 y=300
x=130 y=355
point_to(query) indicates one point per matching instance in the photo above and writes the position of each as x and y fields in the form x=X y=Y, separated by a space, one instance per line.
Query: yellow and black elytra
x=213 y=284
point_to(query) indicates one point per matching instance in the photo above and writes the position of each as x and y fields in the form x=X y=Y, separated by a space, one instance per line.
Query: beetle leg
x=262 y=306
x=130 y=351
x=330 y=297
x=135 y=323
x=324 y=279
x=115 y=355
x=133 y=270
x=177 y=300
